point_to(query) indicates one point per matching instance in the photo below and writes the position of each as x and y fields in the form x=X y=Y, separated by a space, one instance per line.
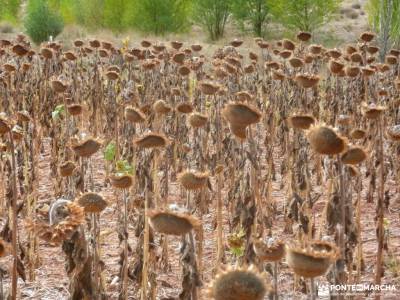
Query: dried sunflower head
x=121 y=181
x=161 y=107
x=134 y=115
x=301 y=121
x=394 y=133
x=240 y=114
x=151 y=140
x=184 y=108
x=192 y=180
x=358 y=134
x=5 y=125
x=86 y=148
x=172 y=223
x=313 y=260
x=75 y=109
x=66 y=168
x=372 y=111
x=197 y=120
x=65 y=218
x=92 y=202
x=354 y=155
x=238 y=284
x=325 y=140
x=270 y=250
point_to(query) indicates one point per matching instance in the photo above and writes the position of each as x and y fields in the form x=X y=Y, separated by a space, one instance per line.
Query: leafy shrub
x=161 y=16
x=9 y=10
x=89 y=13
x=384 y=17
x=93 y=14
x=253 y=12
x=66 y=8
x=306 y=15
x=212 y=15
x=41 y=22
x=157 y=16
x=114 y=11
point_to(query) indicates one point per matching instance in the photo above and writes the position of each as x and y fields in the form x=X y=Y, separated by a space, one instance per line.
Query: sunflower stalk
x=380 y=215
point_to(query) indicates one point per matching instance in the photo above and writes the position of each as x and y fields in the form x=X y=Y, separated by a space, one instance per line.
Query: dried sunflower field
x=158 y=171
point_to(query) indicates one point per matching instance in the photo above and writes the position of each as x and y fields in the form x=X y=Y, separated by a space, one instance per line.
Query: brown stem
x=14 y=222
x=194 y=290
x=146 y=237
x=1 y=286
x=95 y=255
x=143 y=295
x=359 y=242
x=220 y=246
x=125 y=263
x=312 y=289
x=117 y=150
x=220 y=249
x=380 y=210
x=276 y=280
x=342 y=242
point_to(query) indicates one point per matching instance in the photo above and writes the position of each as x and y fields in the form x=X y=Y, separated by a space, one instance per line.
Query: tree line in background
x=42 y=18
x=384 y=17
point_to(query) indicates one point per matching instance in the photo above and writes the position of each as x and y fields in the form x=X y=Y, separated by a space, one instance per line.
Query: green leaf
x=386 y=223
x=58 y=111
x=109 y=152
x=123 y=166
x=305 y=15
x=238 y=252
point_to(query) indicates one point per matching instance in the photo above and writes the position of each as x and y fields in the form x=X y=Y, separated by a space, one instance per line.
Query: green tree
x=88 y=13
x=41 y=21
x=66 y=8
x=253 y=12
x=384 y=18
x=212 y=15
x=67 y=11
x=306 y=15
x=157 y=16
x=9 y=10
x=114 y=11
